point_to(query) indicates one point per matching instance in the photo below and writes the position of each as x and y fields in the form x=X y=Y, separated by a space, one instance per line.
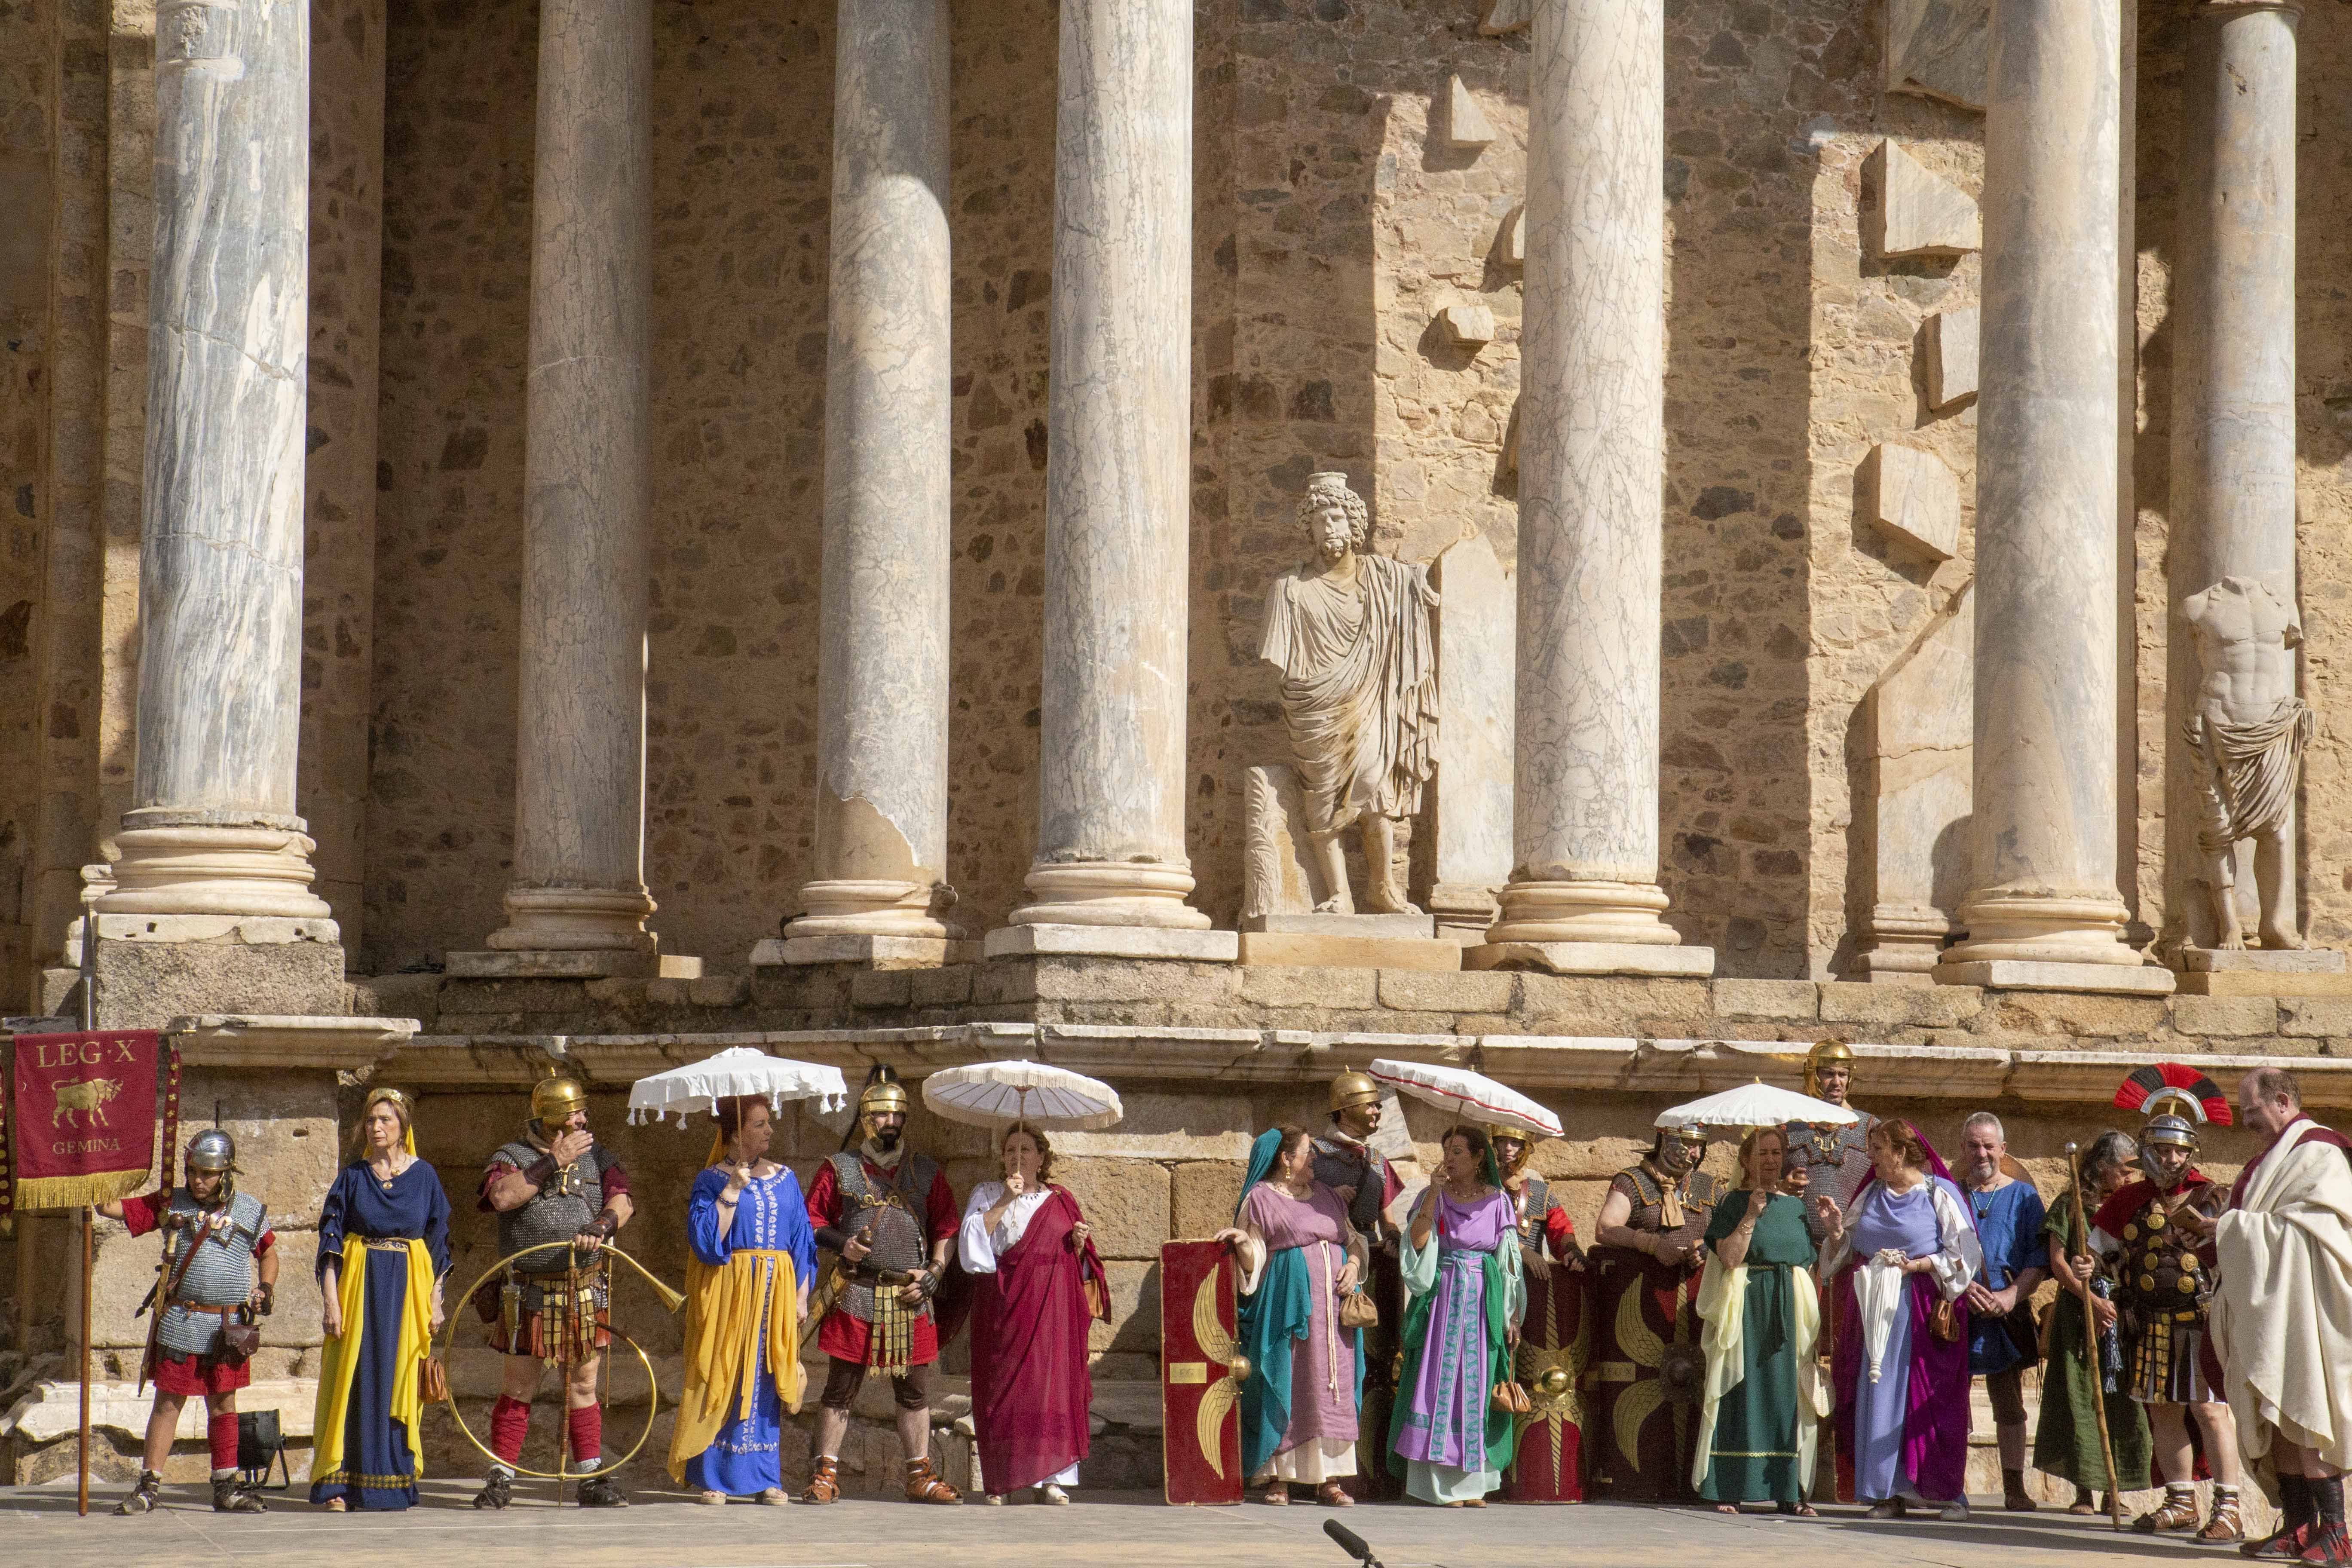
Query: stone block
x=1592 y=958
x=1160 y=1126
x=1940 y=49
x=1918 y=212
x=1846 y=1001
x=595 y=964
x=1467 y=326
x=679 y=967
x=1919 y=724
x=1350 y=952
x=1768 y=999
x=146 y=985
x=417 y=996
x=1619 y=998
x=1092 y=979
x=880 y=951
x=1134 y=1325
x=2225 y=1014
x=1206 y=1193
x=2256 y=983
x=1512 y=245
x=880 y=988
x=1279 y=985
x=1125 y=1200
x=1391 y=926
x=1951 y=345
x=1466 y=125
x=1423 y=992
x=1113 y=941
x=2085 y=1014
x=2310 y=1015
x=942 y=987
x=2305 y=961
x=666 y=991
x=1913 y=498
x=718 y=991
x=1476 y=672
x=2016 y=975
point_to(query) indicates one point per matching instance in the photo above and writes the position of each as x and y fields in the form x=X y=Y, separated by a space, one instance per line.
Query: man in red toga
x=890 y=1215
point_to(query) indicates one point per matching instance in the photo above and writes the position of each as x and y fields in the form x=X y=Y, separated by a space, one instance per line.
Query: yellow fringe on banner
x=76 y=1192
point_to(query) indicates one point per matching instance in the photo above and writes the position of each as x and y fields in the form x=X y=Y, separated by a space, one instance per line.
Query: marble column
x=1110 y=816
x=578 y=893
x=212 y=828
x=882 y=659
x=2233 y=435
x=2044 y=907
x=1583 y=894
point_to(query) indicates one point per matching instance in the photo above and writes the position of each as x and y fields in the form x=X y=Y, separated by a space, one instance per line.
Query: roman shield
x=1201 y=1373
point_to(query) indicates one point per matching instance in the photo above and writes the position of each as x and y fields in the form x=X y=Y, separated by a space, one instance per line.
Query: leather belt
x=205 y=1309
x=864 y=1276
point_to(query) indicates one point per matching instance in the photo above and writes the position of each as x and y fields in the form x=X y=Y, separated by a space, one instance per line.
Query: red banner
x=81 y=1117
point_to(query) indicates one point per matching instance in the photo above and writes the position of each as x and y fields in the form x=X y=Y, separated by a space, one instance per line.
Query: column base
x=578 y=920
x=841 y=907
x=1182 y=943
x=2039 y=929
x=874 y=951
x=1593 y=958
x=1616 y=914
x=201 y=869
x=1109 y=893
x=1907 y=942
x=2017 y=975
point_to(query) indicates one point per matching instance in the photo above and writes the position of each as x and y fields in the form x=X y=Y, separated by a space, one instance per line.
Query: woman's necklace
x=388 y=1172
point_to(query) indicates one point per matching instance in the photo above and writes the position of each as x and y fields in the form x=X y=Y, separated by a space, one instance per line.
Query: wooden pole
x=82 y=1493
x=2091 y=1342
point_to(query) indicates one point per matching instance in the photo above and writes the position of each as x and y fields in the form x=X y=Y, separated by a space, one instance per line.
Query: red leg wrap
x=588 y=1432
x=510 y=1423
x=220 y=1431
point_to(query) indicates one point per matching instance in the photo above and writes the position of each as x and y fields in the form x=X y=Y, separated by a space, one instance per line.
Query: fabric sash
x=340 y=1358
x=1723 y=1311
x=1498 y=1274
x=1272 y=1324
x=724 y=1349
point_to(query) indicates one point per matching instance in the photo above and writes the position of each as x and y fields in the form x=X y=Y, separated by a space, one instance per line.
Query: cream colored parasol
x=1472 y=1096
x=742 y=1069
x=998 y=1094
x=1757 y=1105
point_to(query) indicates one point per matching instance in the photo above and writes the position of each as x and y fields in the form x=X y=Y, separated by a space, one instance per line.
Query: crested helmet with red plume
x=2176 y=1100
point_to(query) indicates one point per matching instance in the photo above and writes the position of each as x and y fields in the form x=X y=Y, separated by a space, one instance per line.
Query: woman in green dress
x=2066 y=1443
x=1760 y=1310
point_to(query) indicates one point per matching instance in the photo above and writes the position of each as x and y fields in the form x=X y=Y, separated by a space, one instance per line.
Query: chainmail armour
x=220 y=1275
x=893 y=1229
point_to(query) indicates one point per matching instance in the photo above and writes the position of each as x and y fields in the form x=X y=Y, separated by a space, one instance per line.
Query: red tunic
x=843 y=1337
x=189 y=1375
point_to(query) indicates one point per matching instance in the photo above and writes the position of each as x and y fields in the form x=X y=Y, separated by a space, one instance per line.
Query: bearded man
x=889 y=1215
x=561 y=1194
x=1644 y=1305
x=2282 y=1315
x=2150 y=1235
x=220 y=1265
x=1835 y=1157
x=2003 y=1340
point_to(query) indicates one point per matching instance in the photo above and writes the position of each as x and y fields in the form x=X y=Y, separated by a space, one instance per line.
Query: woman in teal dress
x=1761 y=1311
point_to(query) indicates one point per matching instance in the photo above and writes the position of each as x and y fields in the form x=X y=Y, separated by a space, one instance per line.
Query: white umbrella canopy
x=741 y=1069
x=1473 y=1096
x=997 y=1094
x=1757 y=1105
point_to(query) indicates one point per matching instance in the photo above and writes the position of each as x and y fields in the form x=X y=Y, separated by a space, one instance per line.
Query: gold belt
x=387 y=1243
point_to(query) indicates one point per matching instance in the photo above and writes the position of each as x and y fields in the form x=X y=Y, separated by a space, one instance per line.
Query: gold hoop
x=652 y=1388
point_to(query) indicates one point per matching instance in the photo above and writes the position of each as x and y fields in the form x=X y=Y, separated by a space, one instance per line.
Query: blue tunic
x=378 y=1471
x=770 y=1215
x=2008 y=1223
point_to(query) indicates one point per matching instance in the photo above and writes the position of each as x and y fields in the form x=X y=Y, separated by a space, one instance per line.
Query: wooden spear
x=2091 y=1342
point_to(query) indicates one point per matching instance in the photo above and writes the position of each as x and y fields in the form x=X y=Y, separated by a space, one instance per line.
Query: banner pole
x=82 y=1494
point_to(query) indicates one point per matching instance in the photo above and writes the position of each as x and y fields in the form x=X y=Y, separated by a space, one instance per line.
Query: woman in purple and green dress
x=1460 y=1264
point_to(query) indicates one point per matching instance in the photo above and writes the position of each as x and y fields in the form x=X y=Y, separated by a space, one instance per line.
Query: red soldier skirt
x=201 y=1375
x=554 y=1317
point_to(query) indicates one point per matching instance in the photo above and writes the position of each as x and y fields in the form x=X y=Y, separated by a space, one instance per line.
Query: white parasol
x=1473 y=1096
x=742 y=1069
x=997 y=1094
x=1757 y=1105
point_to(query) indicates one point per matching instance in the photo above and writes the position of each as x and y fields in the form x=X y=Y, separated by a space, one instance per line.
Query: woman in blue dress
x=747 y=1291
x=383 y=1251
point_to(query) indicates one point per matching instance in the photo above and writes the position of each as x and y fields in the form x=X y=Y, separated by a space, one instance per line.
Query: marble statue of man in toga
x=1351 y=632
x=2246 y=737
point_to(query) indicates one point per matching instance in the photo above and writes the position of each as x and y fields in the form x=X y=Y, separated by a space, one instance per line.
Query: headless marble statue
x=2247 y=734
x=1351 y=632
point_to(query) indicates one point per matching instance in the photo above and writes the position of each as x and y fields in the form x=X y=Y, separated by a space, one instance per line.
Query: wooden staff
x=2091 y=1341
x=81 y=1503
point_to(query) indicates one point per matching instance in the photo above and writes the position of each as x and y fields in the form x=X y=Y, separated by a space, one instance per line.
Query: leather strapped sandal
x=496 y=1492
x=1279 y=1494
x=923 y=1484
x=825 y=1482
x=712 y=1499
x=230 y=1496
x=774 y=1496
x=2176 y=1515
x=2225 y=1526
x=1331 y=1494
x=142 y=1496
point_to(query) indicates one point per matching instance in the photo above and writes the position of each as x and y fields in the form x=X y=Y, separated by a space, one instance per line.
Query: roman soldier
x=1647 y=1368
x=1348 y=1165
x=219 y=1271
x=2146 y=1237
x=1554 y=1335
x=891 y=1218
x=1835 y=1159
x=560 y=1196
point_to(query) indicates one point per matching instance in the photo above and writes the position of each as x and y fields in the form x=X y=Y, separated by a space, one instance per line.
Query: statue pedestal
x=2250 y=972
x=1349 y=941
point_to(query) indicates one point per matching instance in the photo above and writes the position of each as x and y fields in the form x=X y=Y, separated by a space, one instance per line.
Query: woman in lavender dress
x=1299 y=1258
x=1460 y=1263
x=1903 y=1254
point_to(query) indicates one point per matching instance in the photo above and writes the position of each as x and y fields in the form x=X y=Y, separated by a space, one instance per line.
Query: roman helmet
x=1683 y=1133
x=1827 y=1053
x=213 y=1150
x=552 y=1100
x=1352 y=1089
x=1526 y=1140
x=883 y=1093
x=2176 y=1102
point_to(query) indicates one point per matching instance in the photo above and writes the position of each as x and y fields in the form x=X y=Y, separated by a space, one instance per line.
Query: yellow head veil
x=399 y=1102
